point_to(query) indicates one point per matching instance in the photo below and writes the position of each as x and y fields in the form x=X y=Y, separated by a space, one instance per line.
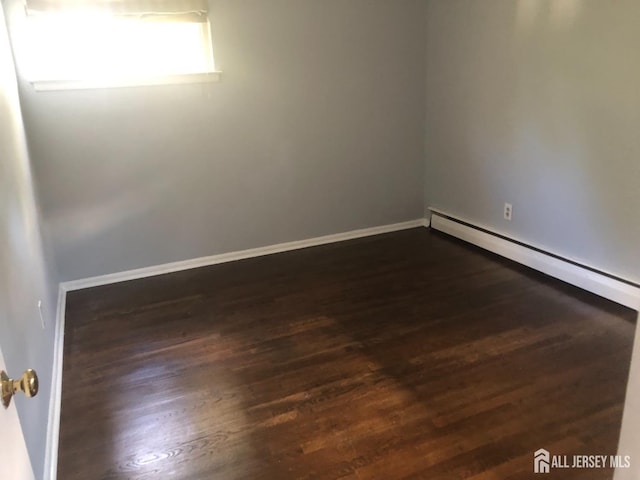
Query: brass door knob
x=28 y=384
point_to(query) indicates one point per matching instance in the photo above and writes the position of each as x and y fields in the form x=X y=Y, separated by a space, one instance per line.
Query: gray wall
x=536 y=103
x=317 y=127
x=24 y=278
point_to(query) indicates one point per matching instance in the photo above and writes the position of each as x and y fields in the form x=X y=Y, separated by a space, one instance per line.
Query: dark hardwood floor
x=406 y=355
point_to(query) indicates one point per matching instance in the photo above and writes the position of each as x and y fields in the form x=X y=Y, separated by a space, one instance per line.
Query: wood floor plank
x=402 y=356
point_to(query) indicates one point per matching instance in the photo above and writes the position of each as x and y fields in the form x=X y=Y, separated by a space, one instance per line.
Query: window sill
x=52 y=85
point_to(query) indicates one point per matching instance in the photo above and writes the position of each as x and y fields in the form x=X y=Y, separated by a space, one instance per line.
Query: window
x=92 y=43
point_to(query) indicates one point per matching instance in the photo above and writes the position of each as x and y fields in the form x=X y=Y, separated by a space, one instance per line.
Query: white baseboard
x=55 y=400
x=238 y=255
x=585 y=278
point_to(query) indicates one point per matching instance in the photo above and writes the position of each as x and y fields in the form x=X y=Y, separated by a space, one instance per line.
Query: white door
x=14 y=460
x=630 y=431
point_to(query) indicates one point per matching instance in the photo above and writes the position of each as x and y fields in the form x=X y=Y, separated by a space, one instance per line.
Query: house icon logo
x=541 y=461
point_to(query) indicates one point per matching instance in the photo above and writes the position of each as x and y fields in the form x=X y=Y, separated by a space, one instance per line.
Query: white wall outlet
x=508 y=211
x=41 y=315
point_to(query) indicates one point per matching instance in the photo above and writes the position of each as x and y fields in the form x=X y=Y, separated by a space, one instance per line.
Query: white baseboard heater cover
x=603 y=284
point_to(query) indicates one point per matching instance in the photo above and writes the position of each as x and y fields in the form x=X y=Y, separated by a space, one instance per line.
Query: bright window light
x=103 y=48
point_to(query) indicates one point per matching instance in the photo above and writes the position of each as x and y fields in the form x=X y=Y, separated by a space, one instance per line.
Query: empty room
x=319 y=239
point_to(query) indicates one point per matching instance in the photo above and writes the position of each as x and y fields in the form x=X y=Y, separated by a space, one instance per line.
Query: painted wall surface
x=536 y=103
x=316 y=127
x=24 y=277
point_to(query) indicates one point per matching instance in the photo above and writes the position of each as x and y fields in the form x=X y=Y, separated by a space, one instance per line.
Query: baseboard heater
x=601 y=283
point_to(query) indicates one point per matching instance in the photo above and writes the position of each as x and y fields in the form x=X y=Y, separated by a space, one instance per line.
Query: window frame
x=41 y=83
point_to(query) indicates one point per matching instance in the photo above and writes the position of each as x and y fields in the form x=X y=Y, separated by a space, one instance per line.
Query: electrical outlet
x=41 y=315
x=508 y=211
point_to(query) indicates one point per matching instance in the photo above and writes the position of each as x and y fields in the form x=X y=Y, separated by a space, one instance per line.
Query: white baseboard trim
x=238 y=255
x=55 y=400
x=550 y=264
